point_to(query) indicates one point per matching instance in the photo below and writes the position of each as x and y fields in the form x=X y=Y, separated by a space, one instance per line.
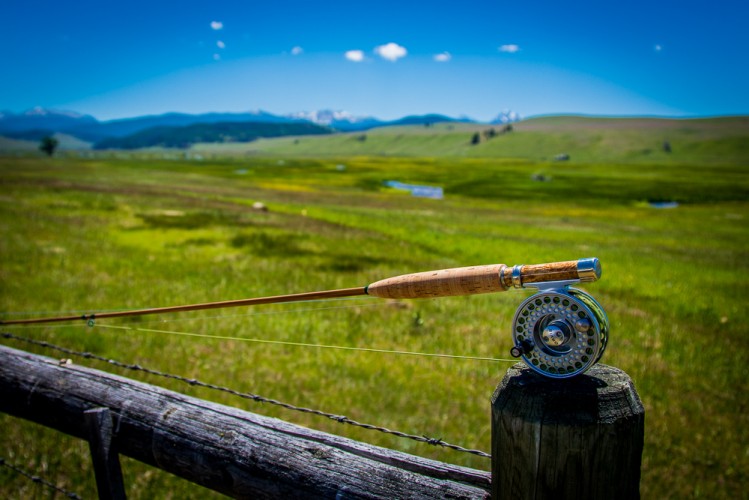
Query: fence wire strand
x=38 y=480
x=249 y=396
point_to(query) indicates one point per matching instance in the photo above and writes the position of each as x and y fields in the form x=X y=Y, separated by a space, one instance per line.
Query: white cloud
x=658 y=47
x=295 y=51
x=217 y=25
x=354 y=55
x=443 y=57
x=391 y=51
x=510 y=48
x=220 y=44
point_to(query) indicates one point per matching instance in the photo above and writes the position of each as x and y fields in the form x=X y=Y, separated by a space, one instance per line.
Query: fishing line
x=277 y=342
x=304 y=344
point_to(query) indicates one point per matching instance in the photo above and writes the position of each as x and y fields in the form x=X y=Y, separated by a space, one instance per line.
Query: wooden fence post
x=106 y=460
x=567 y=438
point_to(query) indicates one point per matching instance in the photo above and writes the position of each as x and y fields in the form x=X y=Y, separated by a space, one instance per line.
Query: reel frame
x=560 y=331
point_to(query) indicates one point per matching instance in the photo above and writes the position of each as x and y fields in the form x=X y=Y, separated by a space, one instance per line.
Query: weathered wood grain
x=574 y=438
x=226 y=449
x=106 y=460
x=557 y=271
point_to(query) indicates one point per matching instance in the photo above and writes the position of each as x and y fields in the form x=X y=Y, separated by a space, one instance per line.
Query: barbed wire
x=249 y=396
x=39 y=480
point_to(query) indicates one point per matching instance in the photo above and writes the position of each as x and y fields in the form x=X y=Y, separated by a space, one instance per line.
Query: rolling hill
x=576 y=138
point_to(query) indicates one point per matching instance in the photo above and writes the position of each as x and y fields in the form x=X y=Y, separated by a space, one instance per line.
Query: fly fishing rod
x=559 y=331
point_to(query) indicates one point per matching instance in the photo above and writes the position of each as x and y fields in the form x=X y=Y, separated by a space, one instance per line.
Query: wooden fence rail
x=222 y=448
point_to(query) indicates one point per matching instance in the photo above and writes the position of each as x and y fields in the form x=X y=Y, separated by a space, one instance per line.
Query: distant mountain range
x=183 y=137
x=38 y=122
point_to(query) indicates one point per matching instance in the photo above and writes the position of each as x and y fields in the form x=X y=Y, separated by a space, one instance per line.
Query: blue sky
x=385 y=59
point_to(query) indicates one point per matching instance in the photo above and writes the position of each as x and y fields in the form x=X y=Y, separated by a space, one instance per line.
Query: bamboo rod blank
x=297 y=297
x=430 y=284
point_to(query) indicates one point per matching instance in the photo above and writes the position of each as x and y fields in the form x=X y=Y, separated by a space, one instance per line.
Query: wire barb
x=249 y=396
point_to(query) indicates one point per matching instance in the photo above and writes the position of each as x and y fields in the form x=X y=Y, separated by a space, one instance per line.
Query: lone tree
x=48 y=145
x=475 y=139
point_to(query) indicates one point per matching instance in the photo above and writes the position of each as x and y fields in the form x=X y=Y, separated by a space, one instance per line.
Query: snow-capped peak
x=39 y=111
x=326 y=116
x=507 y=116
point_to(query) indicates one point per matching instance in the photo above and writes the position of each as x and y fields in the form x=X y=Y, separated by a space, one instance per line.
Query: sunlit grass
x=99 y=235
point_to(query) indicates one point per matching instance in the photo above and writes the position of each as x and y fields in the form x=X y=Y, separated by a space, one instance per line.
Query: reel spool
x=560 y=331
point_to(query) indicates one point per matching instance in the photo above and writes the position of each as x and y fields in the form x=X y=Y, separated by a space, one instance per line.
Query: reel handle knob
x=519 y=350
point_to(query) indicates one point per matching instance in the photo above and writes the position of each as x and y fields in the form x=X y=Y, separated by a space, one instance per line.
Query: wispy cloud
x=217 y=25
x=391 y=51
x=443 y=57
x=297 y=50
x=510 y=48
x=354 y=55
x=220 y=44
x=657 y=47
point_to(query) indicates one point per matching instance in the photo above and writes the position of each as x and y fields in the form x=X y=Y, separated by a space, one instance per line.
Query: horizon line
x=464 y=118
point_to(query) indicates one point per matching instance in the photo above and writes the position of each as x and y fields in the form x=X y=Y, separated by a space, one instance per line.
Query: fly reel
x=560 y=331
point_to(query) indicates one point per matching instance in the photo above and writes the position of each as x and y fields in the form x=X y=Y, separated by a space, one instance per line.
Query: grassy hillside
x=66 y=143
x=102 y=234
x=8 y=145
x=539 y=139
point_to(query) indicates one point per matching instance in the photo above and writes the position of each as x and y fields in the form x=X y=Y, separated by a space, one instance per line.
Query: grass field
x=101 y=234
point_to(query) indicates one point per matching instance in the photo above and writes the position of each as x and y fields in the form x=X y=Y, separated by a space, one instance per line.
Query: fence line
x=226 y=449
x=249 y=396
x=568 y=439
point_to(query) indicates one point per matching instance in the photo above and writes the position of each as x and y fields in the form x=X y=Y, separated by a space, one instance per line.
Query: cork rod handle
x=482 y=279
x=442 y=283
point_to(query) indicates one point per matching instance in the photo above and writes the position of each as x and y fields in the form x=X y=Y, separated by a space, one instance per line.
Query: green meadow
x=85 y=232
